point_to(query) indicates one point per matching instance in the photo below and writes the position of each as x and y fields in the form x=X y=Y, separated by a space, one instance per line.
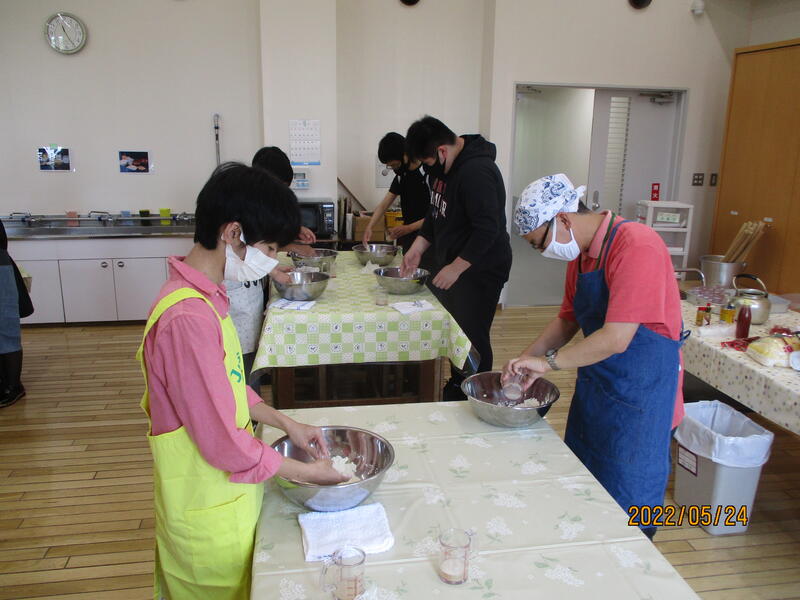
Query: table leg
x=283 y=388
x=427 y=381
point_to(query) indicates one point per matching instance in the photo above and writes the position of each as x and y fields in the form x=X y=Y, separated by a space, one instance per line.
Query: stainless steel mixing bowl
x=371 y=453
x=377 y=254
x=303 y=286
x=389 y=278
x=485 y=393
x=323 y=259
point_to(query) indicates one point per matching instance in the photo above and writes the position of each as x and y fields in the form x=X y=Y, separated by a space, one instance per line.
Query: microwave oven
x=319 y=216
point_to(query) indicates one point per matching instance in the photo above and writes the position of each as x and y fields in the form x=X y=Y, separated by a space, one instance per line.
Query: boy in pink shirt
x=208 y=465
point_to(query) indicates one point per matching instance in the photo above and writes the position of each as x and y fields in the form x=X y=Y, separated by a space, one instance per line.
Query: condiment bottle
x=699 y=318
x=743 y=322
x=727 y=313
x=707 y=316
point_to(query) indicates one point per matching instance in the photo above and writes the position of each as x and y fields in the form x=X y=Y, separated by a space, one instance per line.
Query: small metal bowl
x=323 y=259
x=377 y=254
x=371 y=453
x=389 y=278
x=303 y=286
x=485 y=393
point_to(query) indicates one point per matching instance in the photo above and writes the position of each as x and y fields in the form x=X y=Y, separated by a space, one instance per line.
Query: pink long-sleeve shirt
x=189 y=385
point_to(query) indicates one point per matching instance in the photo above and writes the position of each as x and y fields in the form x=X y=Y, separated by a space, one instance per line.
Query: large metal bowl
x=377 y=254
x=323 y=259
x=303 y=286
x=485 y=393
x=389 y=278
x=371 y=453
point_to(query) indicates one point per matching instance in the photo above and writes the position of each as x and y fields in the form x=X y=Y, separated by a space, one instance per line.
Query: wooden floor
x=76 y=518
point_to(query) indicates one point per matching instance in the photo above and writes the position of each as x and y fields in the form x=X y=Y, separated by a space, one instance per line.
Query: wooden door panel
x=761 y=155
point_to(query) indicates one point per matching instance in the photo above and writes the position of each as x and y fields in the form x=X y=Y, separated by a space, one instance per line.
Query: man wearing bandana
x=464 y=232
x=621 y=291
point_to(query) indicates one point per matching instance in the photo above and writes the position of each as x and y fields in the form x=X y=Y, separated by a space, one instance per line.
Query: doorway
x=617 y=142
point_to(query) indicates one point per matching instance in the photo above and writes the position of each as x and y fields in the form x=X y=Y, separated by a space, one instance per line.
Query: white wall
x=150 y=77
x=298 y=54
x=774 y=21
x=606 y=43
x=396 y=63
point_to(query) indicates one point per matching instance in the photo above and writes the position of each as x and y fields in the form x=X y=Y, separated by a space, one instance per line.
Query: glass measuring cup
x=455 y=549
x=512 y=388
x=343 y=575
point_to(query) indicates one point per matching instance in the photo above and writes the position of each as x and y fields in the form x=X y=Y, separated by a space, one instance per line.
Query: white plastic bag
x=724 y=435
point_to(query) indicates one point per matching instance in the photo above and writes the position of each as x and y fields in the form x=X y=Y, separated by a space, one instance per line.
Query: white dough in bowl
x=346 y=467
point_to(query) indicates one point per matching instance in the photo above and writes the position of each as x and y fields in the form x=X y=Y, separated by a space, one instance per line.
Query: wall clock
x=65 y=33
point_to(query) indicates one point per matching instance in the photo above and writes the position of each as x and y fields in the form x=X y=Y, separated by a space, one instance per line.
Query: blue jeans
x=10 y=337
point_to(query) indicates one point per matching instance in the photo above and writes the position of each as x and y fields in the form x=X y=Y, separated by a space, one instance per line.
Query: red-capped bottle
x=743 y=322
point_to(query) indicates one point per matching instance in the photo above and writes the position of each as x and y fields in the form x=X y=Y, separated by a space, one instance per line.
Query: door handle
x=595 y=200
x=104 y=264
x=120 y=264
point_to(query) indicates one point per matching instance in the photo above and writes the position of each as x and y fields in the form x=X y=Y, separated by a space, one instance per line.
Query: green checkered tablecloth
x=346 y=326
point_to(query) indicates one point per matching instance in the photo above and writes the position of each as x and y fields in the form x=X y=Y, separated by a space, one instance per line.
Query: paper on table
x=409 y=308
x=293 y=304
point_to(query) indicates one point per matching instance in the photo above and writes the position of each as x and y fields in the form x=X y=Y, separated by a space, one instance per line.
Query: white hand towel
x=409 y=308
x=363 y=526
x=293 y=304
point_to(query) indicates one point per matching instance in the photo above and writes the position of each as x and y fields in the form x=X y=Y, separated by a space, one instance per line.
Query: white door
x=45 y=291
x=633 y=146
x=88 y=290
x=137 y=282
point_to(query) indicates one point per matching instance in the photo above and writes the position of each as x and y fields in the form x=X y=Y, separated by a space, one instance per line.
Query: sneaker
x=11 y=396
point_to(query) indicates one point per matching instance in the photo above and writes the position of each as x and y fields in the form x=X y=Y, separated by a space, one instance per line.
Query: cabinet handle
x=120 y=264
x=104 y=264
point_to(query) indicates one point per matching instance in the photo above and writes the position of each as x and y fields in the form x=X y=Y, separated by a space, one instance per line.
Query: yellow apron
x=205 y=525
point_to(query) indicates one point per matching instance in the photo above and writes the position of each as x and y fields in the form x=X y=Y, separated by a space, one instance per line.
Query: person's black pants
x=472 y=302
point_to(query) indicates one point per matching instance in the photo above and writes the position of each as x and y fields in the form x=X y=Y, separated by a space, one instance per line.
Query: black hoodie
x=467 y=216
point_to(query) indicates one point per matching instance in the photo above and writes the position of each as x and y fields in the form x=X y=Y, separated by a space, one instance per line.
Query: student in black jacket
x=466 y=225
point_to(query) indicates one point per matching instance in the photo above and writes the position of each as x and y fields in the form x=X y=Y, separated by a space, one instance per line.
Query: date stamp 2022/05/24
x=693 y=515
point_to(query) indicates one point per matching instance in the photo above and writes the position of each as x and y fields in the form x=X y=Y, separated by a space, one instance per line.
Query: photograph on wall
x=53 y=158
x=132 y=161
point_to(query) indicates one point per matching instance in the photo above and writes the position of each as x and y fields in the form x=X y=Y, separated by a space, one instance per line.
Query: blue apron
x=620 y=418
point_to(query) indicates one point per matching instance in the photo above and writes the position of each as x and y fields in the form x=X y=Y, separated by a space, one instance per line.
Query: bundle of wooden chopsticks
x=749 y=233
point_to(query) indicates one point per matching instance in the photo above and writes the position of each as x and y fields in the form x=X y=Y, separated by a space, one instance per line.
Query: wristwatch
x=550 y=357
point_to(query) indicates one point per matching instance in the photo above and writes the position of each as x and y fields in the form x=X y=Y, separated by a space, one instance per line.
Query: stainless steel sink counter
x=96 y=224
x=107 y=231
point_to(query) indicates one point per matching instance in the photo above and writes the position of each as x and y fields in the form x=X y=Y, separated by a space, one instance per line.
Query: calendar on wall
x=305 y=147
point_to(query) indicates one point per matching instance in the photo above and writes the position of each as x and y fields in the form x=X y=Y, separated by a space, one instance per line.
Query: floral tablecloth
x=772 y=392
x=546 y=528
x=346 y=326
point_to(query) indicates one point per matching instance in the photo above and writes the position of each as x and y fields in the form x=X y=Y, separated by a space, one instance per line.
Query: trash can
x=720 y=455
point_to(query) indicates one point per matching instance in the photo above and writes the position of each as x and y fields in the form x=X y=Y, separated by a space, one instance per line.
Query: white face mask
x=255 y=265
x=555 y=249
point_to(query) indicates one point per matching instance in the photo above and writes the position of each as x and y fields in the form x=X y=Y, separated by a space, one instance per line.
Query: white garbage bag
x=724 y=435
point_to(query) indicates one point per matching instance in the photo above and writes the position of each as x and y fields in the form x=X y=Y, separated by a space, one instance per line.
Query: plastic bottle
x=727 y=313
x=743 y=322
x=699 y=318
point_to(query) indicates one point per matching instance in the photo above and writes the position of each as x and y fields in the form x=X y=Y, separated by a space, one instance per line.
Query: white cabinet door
x=45 y=291
x=88 y=290
x=137 y=282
